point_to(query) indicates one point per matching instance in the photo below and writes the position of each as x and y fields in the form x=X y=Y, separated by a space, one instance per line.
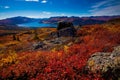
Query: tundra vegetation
x=61 y=58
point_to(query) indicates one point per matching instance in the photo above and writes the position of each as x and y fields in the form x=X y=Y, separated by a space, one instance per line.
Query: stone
x=102 y=61
x=67 y=32
x=38 y=45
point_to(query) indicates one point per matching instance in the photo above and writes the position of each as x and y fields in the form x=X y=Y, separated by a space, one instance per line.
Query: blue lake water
x=37 y=24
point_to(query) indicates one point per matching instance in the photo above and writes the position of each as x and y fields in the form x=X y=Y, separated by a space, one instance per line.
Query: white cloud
x=62 y=14
x=101 y=3
x=45 y=12
x=32 y=0
x=108 y=7
x=5 y=7
x=111 y=10
x=43 y=1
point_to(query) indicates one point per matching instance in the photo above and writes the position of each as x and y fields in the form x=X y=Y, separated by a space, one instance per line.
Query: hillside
x=92 y=54
x=17 y=20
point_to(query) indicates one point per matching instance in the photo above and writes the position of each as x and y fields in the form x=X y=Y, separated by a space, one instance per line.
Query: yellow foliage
x=91 y=63
x=113 y=29
x=10 y=59
x=53 y=50
x=66 y=48
x=1 y=45
x=117 y=60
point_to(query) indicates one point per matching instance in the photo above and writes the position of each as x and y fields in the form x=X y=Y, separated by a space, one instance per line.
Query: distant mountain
x=104 y=18
x=80 y=20
x=17 y=20
x=75 y=20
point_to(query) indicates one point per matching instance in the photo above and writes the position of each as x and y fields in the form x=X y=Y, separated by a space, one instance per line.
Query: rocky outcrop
x=38 y=45
x=67 y=32
x=108 y=64
x=101 y=60
x=64 y=29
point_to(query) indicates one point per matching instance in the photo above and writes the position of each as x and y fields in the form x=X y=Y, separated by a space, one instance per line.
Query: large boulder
x=101 y=61
x=107 y=63
x=64 y=29
x=62 y=25
x=67 y=32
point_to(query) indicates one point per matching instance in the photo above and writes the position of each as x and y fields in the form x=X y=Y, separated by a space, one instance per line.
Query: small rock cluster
x=38 y=45
x=48 y=44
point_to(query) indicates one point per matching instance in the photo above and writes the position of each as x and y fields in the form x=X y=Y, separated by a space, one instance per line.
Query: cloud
x=43 y=1
x=62 y=14
x=108 y=7
x=102 y=3
x=45 y=12
x=112 y=10
x=32 y=0
x=5 y=7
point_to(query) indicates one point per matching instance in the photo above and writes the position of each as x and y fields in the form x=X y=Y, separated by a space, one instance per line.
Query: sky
x=49 y=8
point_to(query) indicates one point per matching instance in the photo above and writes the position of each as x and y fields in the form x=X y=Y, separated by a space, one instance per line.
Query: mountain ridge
x=17 y=20
x=75 y=19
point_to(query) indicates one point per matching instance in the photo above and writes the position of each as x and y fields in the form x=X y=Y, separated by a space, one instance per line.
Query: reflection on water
x=37 y=24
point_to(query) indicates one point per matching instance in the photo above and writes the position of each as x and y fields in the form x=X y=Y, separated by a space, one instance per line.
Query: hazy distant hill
x=80 y=20
x=17 y=20
x=104 y=18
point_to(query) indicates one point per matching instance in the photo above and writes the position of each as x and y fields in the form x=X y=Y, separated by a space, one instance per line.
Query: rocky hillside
x=92 y=54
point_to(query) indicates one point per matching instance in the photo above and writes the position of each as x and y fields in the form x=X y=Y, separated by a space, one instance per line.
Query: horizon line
x=58 y=16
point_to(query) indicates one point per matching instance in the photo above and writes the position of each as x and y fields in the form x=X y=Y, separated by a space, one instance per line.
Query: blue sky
x=48 y=8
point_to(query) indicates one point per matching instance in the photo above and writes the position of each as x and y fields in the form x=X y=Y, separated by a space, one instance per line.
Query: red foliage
x=60 y=65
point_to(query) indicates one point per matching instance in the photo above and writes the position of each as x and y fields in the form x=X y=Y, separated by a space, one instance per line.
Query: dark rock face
x=65 y=29
x=63 y=25
x=67 y=32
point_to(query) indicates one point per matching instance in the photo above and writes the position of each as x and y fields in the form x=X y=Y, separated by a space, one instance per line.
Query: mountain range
x=17 y=20
x=75 y=20
x=80 y=20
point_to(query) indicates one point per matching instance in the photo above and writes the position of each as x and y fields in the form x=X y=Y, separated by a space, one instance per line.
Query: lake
x=37 y=24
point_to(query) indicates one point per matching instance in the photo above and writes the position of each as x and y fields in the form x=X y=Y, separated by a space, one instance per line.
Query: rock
x=38 y=45
x=53 y=35
x=65 y=29
x=67 y=32
x=62 y=25
x=56 y=41
x=102 y=62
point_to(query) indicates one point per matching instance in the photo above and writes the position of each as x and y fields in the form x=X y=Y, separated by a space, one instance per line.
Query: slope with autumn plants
x=67 y=63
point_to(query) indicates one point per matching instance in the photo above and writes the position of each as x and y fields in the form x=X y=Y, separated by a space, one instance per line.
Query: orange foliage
x=67 y=64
